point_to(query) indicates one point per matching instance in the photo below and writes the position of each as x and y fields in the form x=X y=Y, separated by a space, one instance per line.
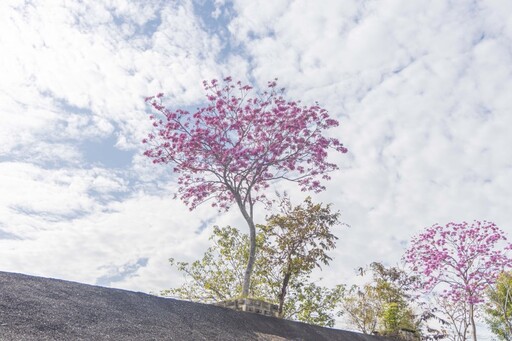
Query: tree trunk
x=250 y=261
x=472 y=319
x=282 y=295
x=252 y=249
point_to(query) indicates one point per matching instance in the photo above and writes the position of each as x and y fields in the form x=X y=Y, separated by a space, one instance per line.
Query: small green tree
x=391 y=317
x=499 y=307
x=362 y=306
x=382 y=305
x=300 y=238
x=310 y=303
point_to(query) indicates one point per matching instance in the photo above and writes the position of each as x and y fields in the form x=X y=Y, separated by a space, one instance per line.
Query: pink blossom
x=466 y=257
x=241 y=144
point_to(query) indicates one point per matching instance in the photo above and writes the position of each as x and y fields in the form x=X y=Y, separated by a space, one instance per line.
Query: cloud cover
x=422 y=90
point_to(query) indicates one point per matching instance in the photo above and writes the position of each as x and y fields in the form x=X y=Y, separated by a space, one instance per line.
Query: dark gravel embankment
x=34 y=308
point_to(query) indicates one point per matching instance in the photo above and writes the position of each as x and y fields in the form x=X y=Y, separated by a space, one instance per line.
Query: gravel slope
x=35 y=308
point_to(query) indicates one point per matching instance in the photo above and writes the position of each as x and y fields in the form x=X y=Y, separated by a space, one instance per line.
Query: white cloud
x=76 y=54
x=77 y=76
x=422 y=92
x=97 y=245
x=65 y=191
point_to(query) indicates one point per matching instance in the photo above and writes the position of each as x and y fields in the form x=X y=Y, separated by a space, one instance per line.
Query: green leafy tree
x=391 y=317
x=499 y=307
x=300 y=238
x=288 y=250
x=381 y=305
x=362 y=306
x=219 y=274
x=310 y=303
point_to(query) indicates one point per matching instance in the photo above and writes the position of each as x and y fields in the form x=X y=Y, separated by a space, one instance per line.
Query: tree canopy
x=300 y=238
x=462 y=259
x=231 y=149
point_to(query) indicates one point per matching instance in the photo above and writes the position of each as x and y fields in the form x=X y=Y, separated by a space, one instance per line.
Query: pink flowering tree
x=462 y=259
x=235 y=146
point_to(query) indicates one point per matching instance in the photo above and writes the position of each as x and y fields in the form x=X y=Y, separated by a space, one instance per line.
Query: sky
x=422 y=90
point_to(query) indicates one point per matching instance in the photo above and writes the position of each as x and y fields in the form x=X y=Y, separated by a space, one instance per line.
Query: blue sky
x=422 y=90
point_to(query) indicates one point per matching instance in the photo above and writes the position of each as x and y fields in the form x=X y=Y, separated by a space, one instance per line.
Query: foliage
x=391 y=317
x=310 y=303
x=464 y=257
x=362 y=306
x=300 y=237
x=218 y=276
x=232 y=149
x=381 y=305
x=499 y=308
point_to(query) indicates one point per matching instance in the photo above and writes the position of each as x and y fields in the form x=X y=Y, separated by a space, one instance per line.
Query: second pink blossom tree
x=465 y=258
x=235 y=146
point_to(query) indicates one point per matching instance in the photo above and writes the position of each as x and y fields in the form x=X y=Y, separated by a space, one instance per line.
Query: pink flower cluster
x=236 y=145
x=466 y=257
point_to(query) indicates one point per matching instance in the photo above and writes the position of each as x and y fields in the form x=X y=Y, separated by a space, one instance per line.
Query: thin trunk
x=282 y=295
x=250 y=261
x=252 y=249
x=472 y=319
